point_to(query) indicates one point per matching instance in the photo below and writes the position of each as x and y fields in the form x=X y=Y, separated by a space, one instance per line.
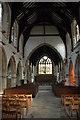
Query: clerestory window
x=0 y=14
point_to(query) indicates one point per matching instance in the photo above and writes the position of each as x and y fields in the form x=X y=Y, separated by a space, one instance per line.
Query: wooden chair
x=6 y=114
x=10 y=107
x=29 y=96
x=74 y=106
x=23 y=102
x=67 y=101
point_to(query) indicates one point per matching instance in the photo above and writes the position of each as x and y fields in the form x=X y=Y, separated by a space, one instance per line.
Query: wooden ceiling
x=29 y=14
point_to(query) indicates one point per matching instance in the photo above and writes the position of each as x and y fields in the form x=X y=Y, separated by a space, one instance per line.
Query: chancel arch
x=11 y=79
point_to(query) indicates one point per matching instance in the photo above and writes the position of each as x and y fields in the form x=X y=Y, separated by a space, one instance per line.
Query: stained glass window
x=45 y=65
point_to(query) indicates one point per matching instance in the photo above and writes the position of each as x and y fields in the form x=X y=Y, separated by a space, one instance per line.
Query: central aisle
x=46 y=105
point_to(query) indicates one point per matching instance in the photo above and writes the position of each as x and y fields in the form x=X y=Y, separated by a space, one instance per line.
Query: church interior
x=40 y=60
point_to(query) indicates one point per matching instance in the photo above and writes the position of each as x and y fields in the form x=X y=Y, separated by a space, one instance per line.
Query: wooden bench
x=24 y=89
x=72 y=101
x=58 y=90
x=16 y=103
x=74 y=106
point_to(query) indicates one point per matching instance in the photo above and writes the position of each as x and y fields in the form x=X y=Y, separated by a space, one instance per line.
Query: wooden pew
x=74 y=106
x=72 y=101
x=15 y=104
x=58 y=90
x=24 y=89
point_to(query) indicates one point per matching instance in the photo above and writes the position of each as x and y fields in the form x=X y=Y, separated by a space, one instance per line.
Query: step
x=47 y=87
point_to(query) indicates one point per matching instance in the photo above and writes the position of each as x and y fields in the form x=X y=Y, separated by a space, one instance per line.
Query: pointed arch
x=3 y=68
x=11 y=80
x=77 y=69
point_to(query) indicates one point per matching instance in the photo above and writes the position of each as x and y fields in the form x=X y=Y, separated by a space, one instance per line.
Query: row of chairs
x=71 y=100
x=13 y=105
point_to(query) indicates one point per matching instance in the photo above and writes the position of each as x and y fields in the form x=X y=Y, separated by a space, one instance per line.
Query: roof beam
x=37 y=35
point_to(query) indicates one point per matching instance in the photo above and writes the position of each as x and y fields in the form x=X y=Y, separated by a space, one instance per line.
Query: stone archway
x=19 y=73
x=77 y=69
x=3 y=69
x=11 y=79
x=71 y=74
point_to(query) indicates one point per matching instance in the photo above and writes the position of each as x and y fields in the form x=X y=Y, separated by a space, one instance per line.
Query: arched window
x=45 y=65
x=21 y=44
x=77 y=33
x=14 y=34
x=68 y=41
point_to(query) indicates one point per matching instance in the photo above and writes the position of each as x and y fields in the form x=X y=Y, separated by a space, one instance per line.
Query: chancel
x=40 y=60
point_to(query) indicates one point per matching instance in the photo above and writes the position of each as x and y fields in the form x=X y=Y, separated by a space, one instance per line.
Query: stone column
x=4 y=82
x=0 y=66
x=31 y=73
x=35 y=71
x=13 y=80
x=1 y=91
x=22 y=72
x=54 y=70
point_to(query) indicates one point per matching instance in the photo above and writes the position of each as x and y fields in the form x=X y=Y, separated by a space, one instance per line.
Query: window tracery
x=45 y=65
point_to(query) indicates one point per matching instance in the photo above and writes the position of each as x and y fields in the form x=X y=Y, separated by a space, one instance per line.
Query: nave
x=47 y=105
x=39 y=44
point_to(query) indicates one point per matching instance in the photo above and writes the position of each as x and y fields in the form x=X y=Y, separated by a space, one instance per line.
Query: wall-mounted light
x=20 y=58
x=2 y=42
x=77 y=52
x=70 y=58
x=14 y=53
x=3 y=31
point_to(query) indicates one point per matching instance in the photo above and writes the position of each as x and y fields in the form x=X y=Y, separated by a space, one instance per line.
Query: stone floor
x=47 y=105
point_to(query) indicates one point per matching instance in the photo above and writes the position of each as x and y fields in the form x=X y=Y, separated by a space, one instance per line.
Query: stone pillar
x=35 y=71
x=0 y=66
x=22 y=72
x=54 y=70
x=4 y=82
x=67 y=74
x=1 y=91
x=13 y=80
x=31 y=70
